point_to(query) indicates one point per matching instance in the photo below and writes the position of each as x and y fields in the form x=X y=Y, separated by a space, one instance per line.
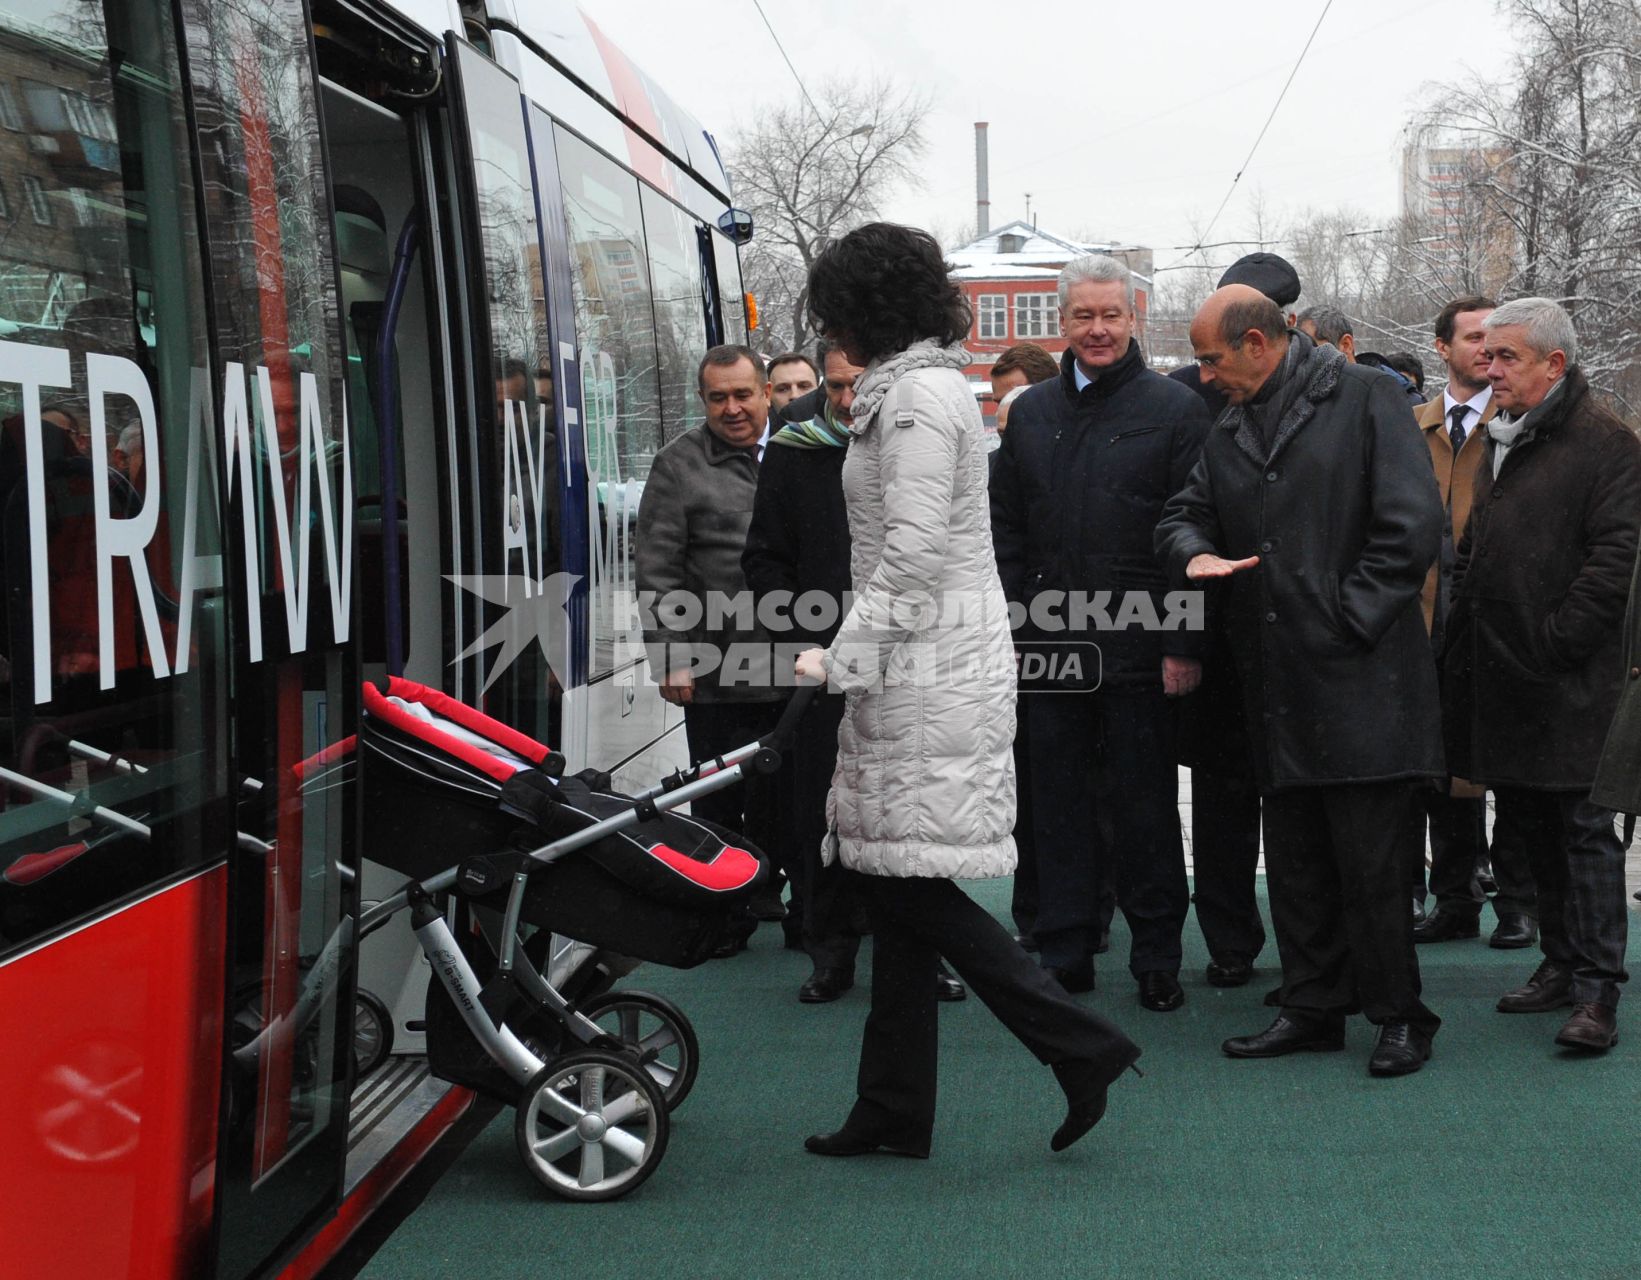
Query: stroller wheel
x=655 y=1031
x=372 y=1033
x=591 y=1125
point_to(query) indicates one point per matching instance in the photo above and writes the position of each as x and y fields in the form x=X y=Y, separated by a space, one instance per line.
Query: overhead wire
x=796 y=78
x=1243 y=168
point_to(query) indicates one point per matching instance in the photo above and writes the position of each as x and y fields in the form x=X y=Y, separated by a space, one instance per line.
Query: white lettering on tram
x=129 y=538
x=32 y=368
x=198 y=572
x=524 y=476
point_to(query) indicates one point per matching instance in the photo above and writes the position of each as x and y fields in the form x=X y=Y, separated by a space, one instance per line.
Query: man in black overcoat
x=1084 y=469
x=1314 y=501
x=1534 y=661
x=1212 y=738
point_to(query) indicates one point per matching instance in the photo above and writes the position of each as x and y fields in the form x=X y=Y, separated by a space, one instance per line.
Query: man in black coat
x=798 y=543
x=1314 y=498
x=1534 y=659
x=1213 y=740
x=1081 y=478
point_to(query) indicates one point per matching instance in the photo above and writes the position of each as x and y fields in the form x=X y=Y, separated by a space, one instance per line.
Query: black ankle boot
x=1085 y=1085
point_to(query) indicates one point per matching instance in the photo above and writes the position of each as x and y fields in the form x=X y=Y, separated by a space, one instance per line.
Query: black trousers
x=823 y=897
x=751 y=807
x=1578 y=864
x=1225 y=862
x=1458 y=846
x=1105 y=789
x=1337 y=866
x=1512 y=867
x=1023 y=905
x=915 y=921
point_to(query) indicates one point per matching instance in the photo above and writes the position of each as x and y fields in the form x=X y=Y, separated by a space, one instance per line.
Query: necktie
x=1455 y=429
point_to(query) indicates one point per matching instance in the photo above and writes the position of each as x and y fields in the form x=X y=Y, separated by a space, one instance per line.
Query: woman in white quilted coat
x=924 y=788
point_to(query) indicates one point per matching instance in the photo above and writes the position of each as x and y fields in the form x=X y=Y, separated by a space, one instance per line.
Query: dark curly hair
x=883 y=287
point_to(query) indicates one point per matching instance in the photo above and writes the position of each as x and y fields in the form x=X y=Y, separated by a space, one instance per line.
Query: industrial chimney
x=982 y=196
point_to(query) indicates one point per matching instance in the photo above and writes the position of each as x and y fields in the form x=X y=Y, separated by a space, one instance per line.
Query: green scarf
x=821 y=432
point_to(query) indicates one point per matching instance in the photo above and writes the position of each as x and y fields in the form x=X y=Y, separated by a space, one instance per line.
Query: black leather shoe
x=1027 y=941
x=1077 y=979
x=1289 y=1035
x=1550 y=987
x=1402 y=1050
x=1160 y=992
x=1514 y=931
x=1485 y=880
x=825 y=985
x=947 y=989
x=1273 y=998
x=1418 y=911
x=731 y=946
x=1593 y=1028
x=1230 y=971
x=844 y=1143
x=1446 y=926
x=1086 y=1085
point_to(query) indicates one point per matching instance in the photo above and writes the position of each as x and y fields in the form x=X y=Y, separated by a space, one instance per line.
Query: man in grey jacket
x=702 y=638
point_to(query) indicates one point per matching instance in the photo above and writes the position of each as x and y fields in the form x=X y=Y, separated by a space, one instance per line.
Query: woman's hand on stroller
x=811 y=665
x=678 y=688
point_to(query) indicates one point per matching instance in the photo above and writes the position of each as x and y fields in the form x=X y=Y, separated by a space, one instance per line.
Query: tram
x=336 y=338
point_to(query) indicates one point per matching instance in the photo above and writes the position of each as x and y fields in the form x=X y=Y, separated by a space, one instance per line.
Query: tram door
x=408 y=408
x=286 y=463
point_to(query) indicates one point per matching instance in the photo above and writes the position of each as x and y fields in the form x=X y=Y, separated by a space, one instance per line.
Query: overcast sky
x=1129 y=125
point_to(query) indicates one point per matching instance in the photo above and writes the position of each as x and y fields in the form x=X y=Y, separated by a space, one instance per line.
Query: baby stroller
x=466 y=805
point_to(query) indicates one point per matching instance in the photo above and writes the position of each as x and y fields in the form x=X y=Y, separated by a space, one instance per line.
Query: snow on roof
x=1004 y=271
x=1037 y=246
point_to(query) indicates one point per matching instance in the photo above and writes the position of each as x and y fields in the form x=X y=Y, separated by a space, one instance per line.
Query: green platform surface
x=1505 y=1157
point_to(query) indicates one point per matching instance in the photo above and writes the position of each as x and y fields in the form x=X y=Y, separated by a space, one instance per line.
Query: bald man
x=1315 y=503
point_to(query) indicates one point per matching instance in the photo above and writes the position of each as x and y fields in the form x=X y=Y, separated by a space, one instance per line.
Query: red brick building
x=1011 y=278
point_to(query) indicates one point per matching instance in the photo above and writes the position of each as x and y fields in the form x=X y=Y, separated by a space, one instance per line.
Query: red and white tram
x=336 y=337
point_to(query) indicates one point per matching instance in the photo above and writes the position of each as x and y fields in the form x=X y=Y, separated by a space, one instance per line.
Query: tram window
x=620 y=390
x=680 y=309
x=730 y=293
x=521 y=453
x=113 y=773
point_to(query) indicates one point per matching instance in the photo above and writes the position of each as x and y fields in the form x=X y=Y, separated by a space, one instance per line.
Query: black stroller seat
x=447 y=786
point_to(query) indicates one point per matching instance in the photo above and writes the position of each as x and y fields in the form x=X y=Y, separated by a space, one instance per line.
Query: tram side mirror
x=736 y=224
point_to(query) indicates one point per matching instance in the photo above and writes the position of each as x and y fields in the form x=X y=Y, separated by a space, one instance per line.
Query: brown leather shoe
x=1593 y=1028
x=1550 y=987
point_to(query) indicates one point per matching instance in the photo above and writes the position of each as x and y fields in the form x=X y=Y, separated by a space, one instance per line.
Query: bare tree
x=1562 y=182
x=808 y=174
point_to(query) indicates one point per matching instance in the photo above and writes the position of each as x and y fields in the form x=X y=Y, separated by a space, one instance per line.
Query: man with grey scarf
x=1534 y=654
x=1314 y=499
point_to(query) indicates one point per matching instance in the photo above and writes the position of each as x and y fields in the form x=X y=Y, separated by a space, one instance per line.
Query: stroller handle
x=780 y=737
